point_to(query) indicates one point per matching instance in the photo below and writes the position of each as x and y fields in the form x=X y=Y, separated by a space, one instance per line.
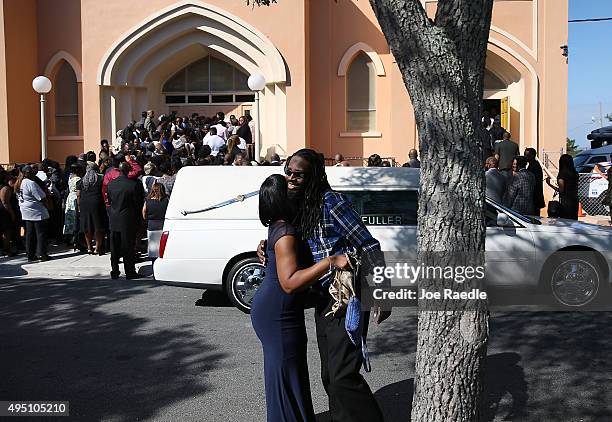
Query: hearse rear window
x=385 y=208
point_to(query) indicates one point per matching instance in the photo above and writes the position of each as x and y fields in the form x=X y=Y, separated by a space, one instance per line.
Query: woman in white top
x=34 y=213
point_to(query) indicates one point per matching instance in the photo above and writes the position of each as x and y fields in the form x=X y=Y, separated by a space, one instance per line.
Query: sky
x=590 y=68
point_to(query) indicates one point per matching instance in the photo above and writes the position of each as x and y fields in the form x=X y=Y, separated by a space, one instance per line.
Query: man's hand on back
x=261 y=252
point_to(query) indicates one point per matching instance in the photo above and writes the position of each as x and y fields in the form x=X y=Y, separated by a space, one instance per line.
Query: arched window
x=209 y=80
x=361 y=95
x=66 y=94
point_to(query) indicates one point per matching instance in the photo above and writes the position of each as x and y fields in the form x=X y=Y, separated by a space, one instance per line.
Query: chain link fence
x=550 y=160
x=592 y=188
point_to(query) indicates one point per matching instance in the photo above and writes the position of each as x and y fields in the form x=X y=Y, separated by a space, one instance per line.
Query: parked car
x=212 y=229
x=600 y=137
x=586 y=160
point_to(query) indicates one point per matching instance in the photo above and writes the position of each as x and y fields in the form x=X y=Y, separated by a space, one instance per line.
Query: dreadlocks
x=315 y=184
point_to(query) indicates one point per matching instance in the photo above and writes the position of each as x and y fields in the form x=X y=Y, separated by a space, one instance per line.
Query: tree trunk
x=442 y=64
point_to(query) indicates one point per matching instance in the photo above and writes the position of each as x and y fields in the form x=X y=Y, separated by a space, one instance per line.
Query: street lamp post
x=256 y=83
x=42 y=85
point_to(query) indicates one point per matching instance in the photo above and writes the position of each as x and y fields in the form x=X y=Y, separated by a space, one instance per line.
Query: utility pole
x=601 y=116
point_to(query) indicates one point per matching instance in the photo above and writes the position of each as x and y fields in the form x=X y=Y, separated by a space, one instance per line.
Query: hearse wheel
x=242 y=282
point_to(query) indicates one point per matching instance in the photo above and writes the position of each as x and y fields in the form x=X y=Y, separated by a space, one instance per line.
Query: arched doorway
x=134 y=70
x=504 y=94
x=206 y=86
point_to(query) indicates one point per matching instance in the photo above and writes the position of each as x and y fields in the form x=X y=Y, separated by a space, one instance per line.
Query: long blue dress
x=278 y=320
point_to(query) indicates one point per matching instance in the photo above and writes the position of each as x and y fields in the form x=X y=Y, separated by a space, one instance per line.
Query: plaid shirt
x=340 y=230
x=520 y=193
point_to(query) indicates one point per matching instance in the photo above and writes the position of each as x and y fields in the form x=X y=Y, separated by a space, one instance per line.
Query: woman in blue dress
x=277 y=311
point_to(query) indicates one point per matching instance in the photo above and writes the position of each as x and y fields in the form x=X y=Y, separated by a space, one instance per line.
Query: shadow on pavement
x=542 y=366
x=504 y=376
x=565 y=358
x=146 y=270
x=214 y=299
x=10 y=270
x=395 y=401
x=62 y=340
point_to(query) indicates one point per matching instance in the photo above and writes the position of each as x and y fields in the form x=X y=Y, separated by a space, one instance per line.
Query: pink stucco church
x=331 y=81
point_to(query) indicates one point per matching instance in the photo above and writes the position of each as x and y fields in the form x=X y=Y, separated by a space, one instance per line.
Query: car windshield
x=580 y=159
x=524 y=218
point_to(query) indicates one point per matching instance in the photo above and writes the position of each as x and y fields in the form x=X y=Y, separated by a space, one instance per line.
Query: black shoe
x=114 y=275
x=132 y=276
x=44 y=258
x=31 y=259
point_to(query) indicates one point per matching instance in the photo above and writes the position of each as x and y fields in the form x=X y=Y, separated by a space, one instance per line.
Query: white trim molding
x=533 y=51
x=221 y=31
x=69 y=58
x=132 y=69
x=352 y=51
x=535 y=92
x=65 y=138
x=360 y=135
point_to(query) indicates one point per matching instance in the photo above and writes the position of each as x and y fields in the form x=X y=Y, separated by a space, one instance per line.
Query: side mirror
x=503 y=220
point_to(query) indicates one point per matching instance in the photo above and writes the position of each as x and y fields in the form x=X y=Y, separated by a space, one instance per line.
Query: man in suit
x=495 y=181
x=505 y=151
x=519 y=195
x=125 y=197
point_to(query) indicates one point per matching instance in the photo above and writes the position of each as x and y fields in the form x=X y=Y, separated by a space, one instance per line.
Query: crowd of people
x=375 y=160
x=72 y=204
x=517 y=181
x=79 y=202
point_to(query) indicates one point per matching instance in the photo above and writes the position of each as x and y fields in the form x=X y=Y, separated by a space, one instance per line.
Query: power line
x=590 y=20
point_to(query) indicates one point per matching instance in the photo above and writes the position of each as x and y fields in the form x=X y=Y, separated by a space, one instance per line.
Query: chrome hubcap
x=575 y=282
x=247 y=281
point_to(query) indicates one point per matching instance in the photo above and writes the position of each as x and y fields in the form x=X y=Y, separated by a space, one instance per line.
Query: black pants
x=36 y=238
x=122 y=245
x=350 y=397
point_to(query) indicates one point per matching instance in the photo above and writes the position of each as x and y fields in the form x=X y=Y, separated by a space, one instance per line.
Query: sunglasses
x=297 y=174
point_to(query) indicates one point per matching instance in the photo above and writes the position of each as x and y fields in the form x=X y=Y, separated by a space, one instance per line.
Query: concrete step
x=65 y=263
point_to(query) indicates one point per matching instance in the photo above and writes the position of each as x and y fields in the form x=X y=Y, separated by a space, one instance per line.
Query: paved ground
x=66 y=263
x=596 y=219
x=135 y=350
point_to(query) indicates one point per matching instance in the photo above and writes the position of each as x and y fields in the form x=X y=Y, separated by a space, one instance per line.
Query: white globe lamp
x=41 y=85
x=256 y=83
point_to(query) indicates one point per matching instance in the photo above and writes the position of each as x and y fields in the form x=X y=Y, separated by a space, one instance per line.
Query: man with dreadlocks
x=330 y=224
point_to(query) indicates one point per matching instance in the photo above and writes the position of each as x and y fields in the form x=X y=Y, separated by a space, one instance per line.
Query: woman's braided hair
x=315 y=184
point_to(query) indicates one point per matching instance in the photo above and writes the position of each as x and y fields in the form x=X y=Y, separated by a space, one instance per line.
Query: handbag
x=342 y=287
x=344 y=290
x=554 y=207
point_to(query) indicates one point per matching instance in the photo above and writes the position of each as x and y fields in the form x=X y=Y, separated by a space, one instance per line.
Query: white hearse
x=212 y=229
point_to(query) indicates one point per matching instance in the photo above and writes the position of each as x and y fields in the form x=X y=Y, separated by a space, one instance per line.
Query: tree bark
x=442 y=63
